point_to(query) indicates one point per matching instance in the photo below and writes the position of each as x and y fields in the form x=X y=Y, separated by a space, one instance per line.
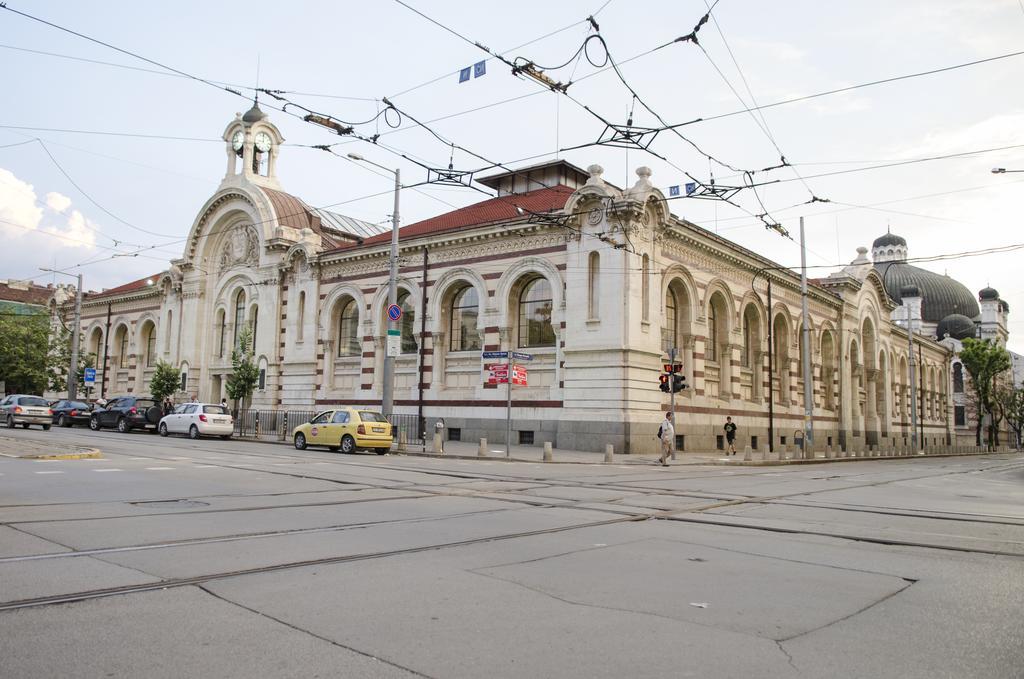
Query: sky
x=103 y=154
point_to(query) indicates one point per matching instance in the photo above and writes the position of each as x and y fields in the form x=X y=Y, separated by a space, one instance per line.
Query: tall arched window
x=301 y=316
x=408 y=322
x=463 y=327
x=239 y=315
x=711 y=351
x=751 y=336
x=593 y=285
x=645 y=287
x=122 y=343
x=254 y=317
x=150 y=345
x=670 y=333
x=348 y=329
x=167 y=336
x=958 y=378
x=222 y=323
x=535 y=305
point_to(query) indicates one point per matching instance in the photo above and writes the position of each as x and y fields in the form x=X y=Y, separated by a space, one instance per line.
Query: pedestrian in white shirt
x=667 y=434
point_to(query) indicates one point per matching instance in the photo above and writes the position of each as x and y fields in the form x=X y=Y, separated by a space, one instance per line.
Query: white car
x=198 y=419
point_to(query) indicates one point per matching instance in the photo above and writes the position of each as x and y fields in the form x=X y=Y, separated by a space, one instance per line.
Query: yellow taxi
x=345 y=429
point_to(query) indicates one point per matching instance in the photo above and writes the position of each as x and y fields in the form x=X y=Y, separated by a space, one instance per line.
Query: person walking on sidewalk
x=667 y=434
x=730 y=435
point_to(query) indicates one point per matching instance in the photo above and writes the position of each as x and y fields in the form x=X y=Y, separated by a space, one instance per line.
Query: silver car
x=25 y=410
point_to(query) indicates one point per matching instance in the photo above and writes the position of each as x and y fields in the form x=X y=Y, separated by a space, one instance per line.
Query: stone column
x=329 y=355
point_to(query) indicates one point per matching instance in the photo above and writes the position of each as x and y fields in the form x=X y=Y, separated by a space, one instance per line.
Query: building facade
x=595 y=282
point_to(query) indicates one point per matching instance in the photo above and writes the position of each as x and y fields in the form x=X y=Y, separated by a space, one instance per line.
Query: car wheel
x=62 y=421
x=94 y=423
x=123 y=426
x=383 y=451
x=10 y=422
x=193 y=432
x=163 y=429
x=225 y=437
x=24 y=425
x=348 y=444
x=46 y=427
x=300 y=442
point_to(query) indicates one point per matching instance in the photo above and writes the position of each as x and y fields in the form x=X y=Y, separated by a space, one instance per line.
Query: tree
x=1010 y=403
x=58 y=359
x=984 y=361
x=165 y=381
x=245 y=375
x=24 y=345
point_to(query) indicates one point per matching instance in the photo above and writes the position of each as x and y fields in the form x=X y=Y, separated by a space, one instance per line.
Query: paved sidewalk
x=43 y=449
x=467 y=449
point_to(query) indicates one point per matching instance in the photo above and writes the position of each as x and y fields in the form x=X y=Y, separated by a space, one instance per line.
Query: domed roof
x=956 y=326
x=988 y=293
x=254 y=115
x=940 y=295
x=888 y=239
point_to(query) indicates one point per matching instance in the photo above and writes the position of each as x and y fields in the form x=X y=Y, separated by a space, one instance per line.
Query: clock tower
x=253 y=143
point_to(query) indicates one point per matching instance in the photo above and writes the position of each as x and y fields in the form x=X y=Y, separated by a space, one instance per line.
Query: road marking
x=106 y=470
x=49 y=460
x=206 y=466
x=179 y=458
x=158 y=469
x=51 y=472
x=138 y=458
x=281 y=464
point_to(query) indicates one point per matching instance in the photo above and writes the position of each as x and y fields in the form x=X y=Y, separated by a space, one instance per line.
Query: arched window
x=239 y=315
x=670 y=333
x=150 y=345
x=167 y=336
x=254 y=317
x=751 y=336
x=535 y=306
x=301 y=316
x=593 y=285
x=711 y=352
x=408 y=322
x=348 y=329
x=645 y=286
x=958 y=378
x=221 y=331
x=122 y=343
x=463 y=327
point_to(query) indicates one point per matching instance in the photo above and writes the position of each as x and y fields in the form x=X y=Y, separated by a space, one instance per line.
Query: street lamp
x=73 y=368
x=388 y=390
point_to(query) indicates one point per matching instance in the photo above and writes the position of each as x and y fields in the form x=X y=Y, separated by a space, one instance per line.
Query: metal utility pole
x=72 y=383
x=672 y=394
x=388 y=388
x=805 y=353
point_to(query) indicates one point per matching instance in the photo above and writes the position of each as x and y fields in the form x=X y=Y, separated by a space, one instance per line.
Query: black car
x=127 y=413
x=67 y=413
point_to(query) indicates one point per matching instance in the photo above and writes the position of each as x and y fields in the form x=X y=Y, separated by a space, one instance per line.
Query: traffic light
x=664 y=386
x=678 y=382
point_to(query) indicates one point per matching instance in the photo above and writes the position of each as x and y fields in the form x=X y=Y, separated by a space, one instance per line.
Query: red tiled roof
x=127 y=287
x=34 y=294
x=479 y=214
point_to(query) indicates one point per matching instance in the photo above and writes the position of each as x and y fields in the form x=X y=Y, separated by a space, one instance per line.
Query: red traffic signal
x=664 y=386
x=672 y=368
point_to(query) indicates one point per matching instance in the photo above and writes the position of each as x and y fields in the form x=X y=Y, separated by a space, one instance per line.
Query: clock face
x=263 y=142
x=237 y=140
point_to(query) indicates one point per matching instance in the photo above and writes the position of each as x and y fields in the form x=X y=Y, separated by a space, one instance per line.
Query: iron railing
x=253 y=423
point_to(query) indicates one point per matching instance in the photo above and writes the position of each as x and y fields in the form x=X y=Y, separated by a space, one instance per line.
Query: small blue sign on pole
x=489 y=355
x=479 y=69
x=394 y=312
x=89 y=376
x=517 y=356
x=673 y=190
x=691 y=187
x=464 y=74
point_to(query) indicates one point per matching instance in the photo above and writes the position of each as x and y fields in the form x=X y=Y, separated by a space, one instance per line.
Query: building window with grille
x=464 y=314
x=239 y=315
x=407 y=322
x=593 y=286
x=960 y=416
x=535 y=306
x=348 y=329
x=123 y=349
x=958 y=378
x=670 y=331
x=151 y=347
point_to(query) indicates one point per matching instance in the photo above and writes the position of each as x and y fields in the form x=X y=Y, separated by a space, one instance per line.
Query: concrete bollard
x=438 y=444
x=746 y=454
x=766 y=452
x=609 y=453
x=828 y=452
x=482 y=452
x=402 y=441
x=547 y=451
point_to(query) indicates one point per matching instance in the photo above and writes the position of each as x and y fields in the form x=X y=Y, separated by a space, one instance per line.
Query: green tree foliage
x=1009 y=401
x=58 y=359
x=245 y=374
x=24 y=349
x=984 y=361
x=165 y=381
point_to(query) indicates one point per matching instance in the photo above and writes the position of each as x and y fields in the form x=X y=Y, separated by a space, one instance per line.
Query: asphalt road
x=177 y=558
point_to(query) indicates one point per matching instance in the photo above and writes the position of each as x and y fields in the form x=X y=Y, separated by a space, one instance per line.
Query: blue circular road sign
x=394 y=312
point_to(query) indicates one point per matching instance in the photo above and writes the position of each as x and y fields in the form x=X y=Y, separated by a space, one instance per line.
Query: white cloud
x=18 y=210
x=80 y=230
x=57 y=202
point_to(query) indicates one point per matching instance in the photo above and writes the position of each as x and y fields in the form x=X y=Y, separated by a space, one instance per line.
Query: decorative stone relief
x=240 y=248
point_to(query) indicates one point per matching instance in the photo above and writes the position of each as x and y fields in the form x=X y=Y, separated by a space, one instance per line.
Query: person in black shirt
x=730 y=435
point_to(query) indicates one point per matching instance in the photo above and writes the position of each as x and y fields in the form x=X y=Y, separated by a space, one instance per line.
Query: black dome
x=254 y=115
x=956 y=326
x=988 y=293
x=941 y=295
x=889 y=239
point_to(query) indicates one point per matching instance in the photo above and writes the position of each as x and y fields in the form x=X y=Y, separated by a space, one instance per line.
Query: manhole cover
x=171 y=503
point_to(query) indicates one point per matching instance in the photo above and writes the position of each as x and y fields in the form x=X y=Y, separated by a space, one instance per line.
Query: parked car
x=198 y=419
x=25 y=410
x=347 y=429
x=127 y=413
x=67 y=413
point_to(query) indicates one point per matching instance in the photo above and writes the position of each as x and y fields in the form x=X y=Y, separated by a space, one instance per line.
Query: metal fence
x=279 y=424
x=407 y=428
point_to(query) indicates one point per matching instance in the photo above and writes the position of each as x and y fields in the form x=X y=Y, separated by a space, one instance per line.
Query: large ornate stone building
x=595 y=282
